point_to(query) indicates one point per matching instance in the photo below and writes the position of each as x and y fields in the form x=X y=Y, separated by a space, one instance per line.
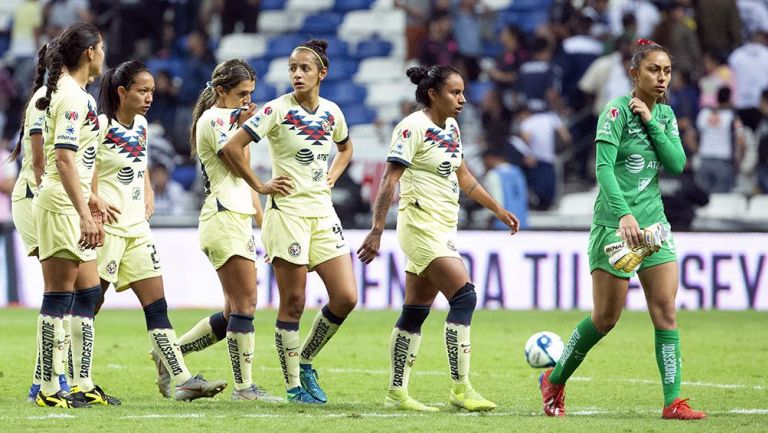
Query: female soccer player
x=426 y=157
x=128 y=258
x=226 y=234
x=32 y=165
x=67 y=233
x=636 y=135
x=301 y=231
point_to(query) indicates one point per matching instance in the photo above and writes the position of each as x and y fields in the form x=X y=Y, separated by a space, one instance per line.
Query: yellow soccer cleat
x=400 y=400
x=59 y=399
x=94 y=396
x=465 y=397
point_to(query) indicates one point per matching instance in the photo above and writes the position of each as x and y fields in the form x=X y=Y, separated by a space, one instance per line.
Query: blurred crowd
x=534 y=94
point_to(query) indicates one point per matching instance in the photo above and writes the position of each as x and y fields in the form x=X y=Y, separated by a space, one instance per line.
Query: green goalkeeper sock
x=670 y=362
x=583 y=338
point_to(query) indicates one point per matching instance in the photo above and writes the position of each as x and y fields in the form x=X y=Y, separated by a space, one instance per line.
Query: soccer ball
x=543 y=349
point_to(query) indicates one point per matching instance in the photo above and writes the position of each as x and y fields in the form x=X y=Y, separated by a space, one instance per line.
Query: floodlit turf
x=725 y=356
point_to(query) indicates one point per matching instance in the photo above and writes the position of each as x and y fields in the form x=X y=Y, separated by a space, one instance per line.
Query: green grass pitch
x=616 y=389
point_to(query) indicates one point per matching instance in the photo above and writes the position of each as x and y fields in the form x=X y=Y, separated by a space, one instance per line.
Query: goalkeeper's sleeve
x=606 y=178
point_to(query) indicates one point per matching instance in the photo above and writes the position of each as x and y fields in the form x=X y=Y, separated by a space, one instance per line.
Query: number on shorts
x=337 y=230
x=153 y=255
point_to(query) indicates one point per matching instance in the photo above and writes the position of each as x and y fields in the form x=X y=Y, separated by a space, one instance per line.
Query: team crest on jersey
x=451 y=246
x=71 y=115
x=112 y=267
x=129 y=143
x=294 y=249
x=444 y=140
x=314 y=130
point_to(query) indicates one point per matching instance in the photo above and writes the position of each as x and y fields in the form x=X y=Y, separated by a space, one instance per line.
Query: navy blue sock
x=56 y=304
x=240 y=323
x=462 y=305
x=332 y=317
x=84 y=303
x=156 y=315
x=288 y=326
x=411 y=318
x=218 y=325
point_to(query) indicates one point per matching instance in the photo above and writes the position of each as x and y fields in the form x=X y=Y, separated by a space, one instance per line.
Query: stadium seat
x=389 y=93
x=380 y=69
x=351 y=5
x=373 y=47
x=260 y=66
x=282 y=46
x=343 y=93
x=277 y=74
x=263 y=93
x=323 y=23
x=308 y=5
x=172 y=65
x=341 y=69
x=577 y=204
x=358 y=114
x=731 y=205
x=758 y=208
x=280 y=21
x=358 y=25
x=242 y=46
x=269 y=5
x=338 y=49
x=497 y=5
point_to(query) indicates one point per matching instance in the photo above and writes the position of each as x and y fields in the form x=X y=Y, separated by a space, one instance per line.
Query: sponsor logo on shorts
x=112 y=267
x=294 y=249
x=251 y=244
x=451 y=246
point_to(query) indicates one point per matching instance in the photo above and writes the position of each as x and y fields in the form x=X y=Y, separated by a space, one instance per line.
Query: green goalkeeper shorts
x=600 y=236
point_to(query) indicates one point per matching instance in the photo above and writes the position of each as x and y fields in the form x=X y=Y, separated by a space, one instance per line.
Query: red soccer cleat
x=552 y=395
x=679 y=409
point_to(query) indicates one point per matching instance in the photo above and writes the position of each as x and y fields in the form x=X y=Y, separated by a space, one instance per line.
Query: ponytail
x=36 y=84
x=227 y=75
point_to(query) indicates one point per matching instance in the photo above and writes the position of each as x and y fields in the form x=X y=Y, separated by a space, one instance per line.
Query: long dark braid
x=36 y=84
x=75 y=39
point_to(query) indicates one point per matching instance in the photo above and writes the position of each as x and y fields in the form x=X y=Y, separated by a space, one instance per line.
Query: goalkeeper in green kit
x=636 y=136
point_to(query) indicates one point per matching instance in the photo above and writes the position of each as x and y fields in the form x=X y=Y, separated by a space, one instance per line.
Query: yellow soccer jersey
x=223 y=189
x=121 y=162
x=300 y=145
x=34 y=121
x=71 y=123
x=432 y=155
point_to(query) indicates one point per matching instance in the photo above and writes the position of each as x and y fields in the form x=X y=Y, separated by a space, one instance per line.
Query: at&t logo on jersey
x=634 y=163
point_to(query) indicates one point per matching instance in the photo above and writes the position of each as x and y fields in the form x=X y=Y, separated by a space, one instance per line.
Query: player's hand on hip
x=370 y=247
x=510 y=220
x=278 y=185
x=638 y=107
x=90 y=234
x=629 y=231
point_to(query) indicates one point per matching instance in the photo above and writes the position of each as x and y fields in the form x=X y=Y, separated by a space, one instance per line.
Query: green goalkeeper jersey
x=629 y=156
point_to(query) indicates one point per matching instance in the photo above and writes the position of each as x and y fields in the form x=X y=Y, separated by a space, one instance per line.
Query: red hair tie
x=642 y=41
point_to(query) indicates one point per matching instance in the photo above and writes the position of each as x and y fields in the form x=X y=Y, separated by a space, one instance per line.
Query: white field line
x=587 y=411
x=575 y=378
